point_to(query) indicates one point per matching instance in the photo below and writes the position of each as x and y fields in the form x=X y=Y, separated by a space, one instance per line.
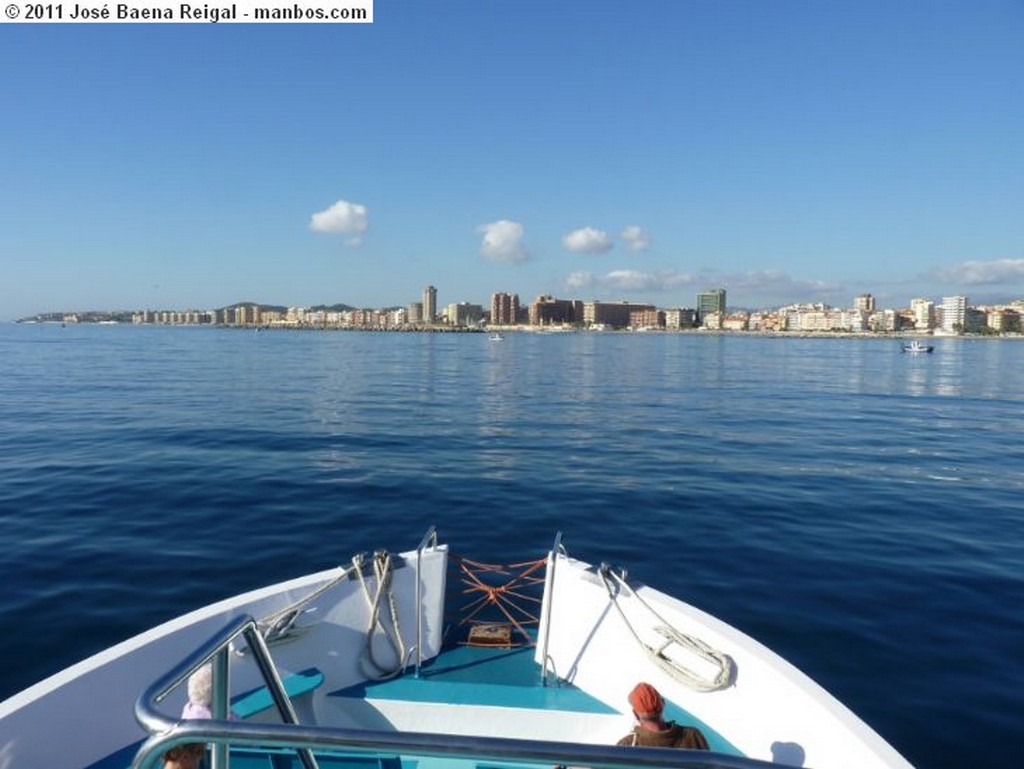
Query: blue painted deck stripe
x=259 y=699
x=481 y=676
x=537 y=697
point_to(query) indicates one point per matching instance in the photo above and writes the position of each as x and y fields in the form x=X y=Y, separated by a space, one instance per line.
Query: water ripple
x=856 y=510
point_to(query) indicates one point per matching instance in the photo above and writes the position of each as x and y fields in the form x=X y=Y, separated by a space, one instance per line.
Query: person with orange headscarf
x=651 y=730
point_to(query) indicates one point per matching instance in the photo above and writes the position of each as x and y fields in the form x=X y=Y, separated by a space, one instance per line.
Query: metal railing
x=168 y=732
x=490 y=750
x=429 y=540
x=556 y=548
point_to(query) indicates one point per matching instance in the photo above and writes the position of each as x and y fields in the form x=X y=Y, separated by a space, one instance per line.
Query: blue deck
x=504 y=677
x=481 y=676
x=257 y=700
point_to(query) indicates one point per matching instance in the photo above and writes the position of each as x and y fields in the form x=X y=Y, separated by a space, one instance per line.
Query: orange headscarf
x=646 y=701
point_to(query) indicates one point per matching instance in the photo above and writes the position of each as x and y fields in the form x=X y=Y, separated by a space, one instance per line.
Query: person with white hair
x=200 y=699
x=200 y=694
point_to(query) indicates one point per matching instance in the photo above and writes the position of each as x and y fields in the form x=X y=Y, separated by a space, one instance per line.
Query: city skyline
x=430 y=293
x=953 y=315
x=796 y=152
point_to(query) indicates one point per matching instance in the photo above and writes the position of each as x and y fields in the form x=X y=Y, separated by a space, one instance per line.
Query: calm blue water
x=858 y=510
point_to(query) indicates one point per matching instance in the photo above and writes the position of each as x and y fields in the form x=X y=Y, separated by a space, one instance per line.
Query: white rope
x=726 y=674
x=382 y=571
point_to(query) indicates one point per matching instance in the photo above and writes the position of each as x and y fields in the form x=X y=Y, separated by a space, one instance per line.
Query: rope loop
x=383 y=622
x=725 y=666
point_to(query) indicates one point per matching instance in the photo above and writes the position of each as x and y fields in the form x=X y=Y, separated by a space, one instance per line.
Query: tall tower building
x=429 y=304
x=709 y=302
x=923 y=312
x=865 y=303
x=504 y=309
x=954 y=313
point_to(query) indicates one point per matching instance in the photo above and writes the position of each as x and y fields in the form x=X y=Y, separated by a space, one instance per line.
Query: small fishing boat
x=497 y=337
x=916 y=347
x=427 y=659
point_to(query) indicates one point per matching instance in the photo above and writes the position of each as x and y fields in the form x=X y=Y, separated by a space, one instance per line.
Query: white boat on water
x=427 y=659
x=917 y=347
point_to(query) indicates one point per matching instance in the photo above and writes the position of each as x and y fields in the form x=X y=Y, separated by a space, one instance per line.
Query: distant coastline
x=953 y=317
x=555 y=330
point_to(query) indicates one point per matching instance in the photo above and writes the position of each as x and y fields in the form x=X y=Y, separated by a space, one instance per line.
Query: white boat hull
x=771 y=712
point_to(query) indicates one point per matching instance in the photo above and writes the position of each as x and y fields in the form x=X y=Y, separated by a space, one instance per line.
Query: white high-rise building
x=923 y=311
x=864 y=302
x=954 y=313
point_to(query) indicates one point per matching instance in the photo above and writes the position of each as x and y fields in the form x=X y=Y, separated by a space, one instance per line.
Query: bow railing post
x=549 y=594
x=429 y=540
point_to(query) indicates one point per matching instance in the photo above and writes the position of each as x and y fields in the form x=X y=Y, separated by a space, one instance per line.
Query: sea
x=858 y=510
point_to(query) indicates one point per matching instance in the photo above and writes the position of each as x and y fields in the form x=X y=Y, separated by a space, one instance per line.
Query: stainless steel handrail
x=220 y=706
x=429 y=745
x=549 y=578
x=168 y=731
x=430 y=538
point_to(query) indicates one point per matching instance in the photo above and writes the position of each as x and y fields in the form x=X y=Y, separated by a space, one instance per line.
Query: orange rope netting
x=507 y=598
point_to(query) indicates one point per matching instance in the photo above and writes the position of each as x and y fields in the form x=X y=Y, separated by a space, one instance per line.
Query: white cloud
x=634 y=280
x=341 y=218
x=503 y=242
x=984 y=273
x=588 y=240
x=765 y=288
x=580 y=279
x=776 y=282
x=635 y=238
x=630 y=280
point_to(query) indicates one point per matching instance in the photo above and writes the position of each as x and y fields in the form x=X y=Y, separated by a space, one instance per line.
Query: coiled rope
x=723 y=679
x=382 y=572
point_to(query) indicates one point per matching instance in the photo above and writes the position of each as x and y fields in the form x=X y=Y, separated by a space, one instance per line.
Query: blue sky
x=786 y=151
